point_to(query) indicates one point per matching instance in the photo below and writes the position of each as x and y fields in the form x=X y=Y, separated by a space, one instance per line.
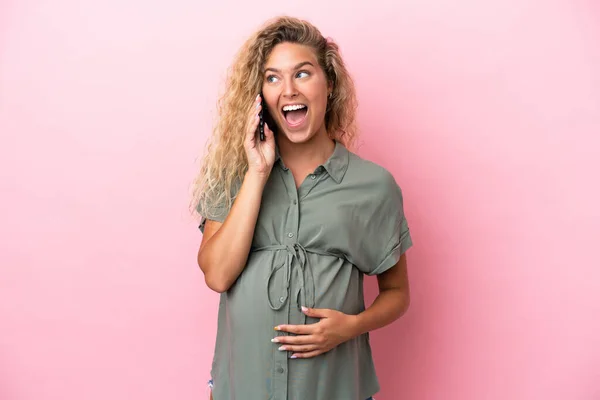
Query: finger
x=269 y=135
x=297 y=329
x=252 y=128
x=253 y=119
x=299 y=348
x=317 y=312
x=308 y=354
x=255 y=107
x=302 y=339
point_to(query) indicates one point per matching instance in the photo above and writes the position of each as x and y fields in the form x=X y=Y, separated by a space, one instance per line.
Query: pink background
x=487 y=113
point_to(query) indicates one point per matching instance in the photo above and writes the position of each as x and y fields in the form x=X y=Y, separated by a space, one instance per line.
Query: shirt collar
x=336 y=165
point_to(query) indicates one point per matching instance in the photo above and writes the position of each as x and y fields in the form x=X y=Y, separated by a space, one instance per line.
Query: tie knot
x=299 y=252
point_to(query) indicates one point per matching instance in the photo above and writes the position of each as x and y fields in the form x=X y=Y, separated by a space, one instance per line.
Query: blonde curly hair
x=225 y=164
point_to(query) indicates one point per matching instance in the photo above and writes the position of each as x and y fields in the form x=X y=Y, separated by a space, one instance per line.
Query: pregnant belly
x=247 y=302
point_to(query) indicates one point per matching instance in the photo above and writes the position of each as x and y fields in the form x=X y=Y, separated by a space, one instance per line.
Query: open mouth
x=295 y=114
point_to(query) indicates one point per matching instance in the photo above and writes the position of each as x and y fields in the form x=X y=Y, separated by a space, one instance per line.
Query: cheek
x=319 y=104
x=270 y=101
x=272 y=108
x=319 y=97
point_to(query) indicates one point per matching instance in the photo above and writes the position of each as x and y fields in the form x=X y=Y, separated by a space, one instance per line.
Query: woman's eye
x=302 y=74
x=271 y=78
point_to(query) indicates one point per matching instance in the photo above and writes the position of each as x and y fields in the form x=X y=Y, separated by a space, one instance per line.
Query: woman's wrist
x=355 y=326
x=257 y=178
x=358 y=325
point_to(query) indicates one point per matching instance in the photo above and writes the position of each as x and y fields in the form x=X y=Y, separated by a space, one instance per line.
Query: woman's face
x=295 y=90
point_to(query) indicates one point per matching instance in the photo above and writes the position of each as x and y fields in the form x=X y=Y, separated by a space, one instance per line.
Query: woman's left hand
x=333 y=329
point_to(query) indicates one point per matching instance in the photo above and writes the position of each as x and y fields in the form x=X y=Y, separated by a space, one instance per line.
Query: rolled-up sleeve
x=386 y=233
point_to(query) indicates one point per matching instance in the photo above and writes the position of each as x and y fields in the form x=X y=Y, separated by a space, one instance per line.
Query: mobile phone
x=261 y=122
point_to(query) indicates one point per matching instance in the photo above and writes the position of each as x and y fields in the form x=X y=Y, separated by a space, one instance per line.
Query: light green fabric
x=311 y=247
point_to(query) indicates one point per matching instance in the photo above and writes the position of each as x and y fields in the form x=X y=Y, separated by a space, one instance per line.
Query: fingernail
x=277 y=328
x=275 y=340
x=282 y=348
x=293 y=357
x=257 y=96
x=304 y=309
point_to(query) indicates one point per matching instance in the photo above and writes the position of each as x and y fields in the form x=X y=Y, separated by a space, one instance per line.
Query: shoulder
x=371 y=175
x=215 y=203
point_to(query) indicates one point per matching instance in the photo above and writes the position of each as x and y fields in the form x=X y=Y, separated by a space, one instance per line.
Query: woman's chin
x=298 y=137
x=303 y=135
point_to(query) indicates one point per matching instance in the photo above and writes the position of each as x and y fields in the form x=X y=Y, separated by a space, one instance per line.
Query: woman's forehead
x=286 y=56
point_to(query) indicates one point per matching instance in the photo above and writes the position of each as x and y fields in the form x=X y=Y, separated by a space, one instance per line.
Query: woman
x=309 y=219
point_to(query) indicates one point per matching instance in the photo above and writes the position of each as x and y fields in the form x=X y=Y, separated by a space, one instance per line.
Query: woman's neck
x=306 y=156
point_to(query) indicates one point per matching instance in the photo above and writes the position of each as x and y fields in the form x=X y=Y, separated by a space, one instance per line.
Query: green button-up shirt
x=311 y=247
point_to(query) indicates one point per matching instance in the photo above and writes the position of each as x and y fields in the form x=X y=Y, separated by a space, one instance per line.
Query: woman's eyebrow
x=298 y=66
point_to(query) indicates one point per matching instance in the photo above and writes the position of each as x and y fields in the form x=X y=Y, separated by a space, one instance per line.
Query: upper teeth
x=294 y=107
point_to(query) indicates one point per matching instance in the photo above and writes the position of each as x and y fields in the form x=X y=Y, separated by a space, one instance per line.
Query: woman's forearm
x=223 y=257
x=389 y=305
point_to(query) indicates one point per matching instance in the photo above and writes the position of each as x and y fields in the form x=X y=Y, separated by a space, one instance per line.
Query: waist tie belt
x=306 y=287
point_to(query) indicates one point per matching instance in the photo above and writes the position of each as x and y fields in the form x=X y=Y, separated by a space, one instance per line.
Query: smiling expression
x=295 y=90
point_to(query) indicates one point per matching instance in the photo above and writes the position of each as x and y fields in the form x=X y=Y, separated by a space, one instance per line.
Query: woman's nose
x=289 y=89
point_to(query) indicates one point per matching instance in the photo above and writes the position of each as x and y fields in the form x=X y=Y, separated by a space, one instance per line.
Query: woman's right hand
x=261 y=154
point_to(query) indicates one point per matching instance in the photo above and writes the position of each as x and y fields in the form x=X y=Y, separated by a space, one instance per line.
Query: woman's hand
x=261 y=154
x=333 y=329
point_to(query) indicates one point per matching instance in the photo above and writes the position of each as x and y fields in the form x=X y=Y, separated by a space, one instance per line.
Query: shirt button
x=282 y=299
x=290 y=235
x=313 y=177
x=280 y=370
x=295 y=202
